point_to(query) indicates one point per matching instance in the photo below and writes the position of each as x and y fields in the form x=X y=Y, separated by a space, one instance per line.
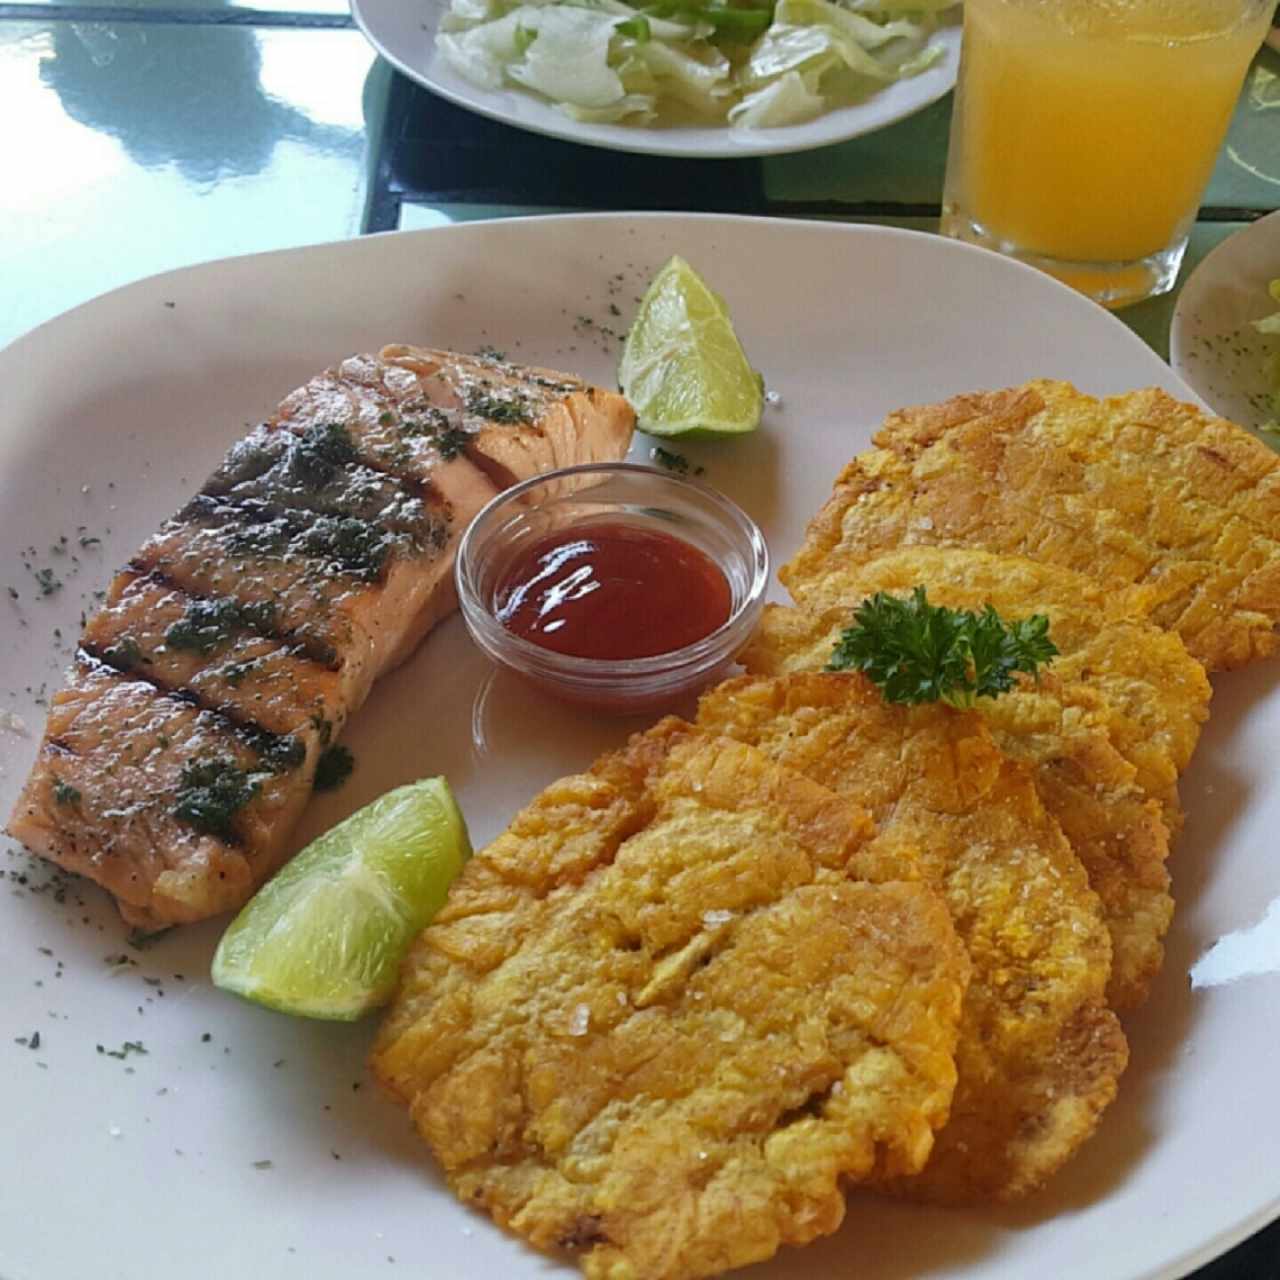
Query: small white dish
x=404 y=34
x=1213 y=346
x=641 y=498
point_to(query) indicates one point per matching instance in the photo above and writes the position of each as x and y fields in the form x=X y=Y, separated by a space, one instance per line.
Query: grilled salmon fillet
x=663 y=1017
x=236 y=643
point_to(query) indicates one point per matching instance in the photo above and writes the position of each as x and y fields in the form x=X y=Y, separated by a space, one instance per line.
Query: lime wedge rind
x=682 y=368
x=324 y=938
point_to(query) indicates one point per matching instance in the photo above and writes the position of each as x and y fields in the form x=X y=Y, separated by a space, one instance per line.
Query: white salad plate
x=1212 y=343
x=404 y=34
x=233 y=1141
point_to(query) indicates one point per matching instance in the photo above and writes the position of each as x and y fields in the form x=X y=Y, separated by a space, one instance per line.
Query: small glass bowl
x=625 y=493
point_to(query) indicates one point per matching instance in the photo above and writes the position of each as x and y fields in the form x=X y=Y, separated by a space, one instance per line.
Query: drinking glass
x=1085 y=132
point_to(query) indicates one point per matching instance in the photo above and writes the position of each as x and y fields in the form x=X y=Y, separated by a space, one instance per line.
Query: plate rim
x=1181 y=319
x=648 y=141
x=356 y=244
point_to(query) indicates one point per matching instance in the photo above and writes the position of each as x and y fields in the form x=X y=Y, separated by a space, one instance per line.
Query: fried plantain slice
x=660 y=1019
x=1040 y=1052
x=1064 y=731
x=1133 y=489
x=1157 y=694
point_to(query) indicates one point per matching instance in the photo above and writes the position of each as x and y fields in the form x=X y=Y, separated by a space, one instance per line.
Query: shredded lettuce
x=568 y=58
x=700 y=84
x=481 y=53
x=785 y=100
x=751 y=63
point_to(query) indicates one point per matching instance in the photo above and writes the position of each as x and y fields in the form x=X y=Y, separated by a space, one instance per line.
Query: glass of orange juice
x=1085 y=131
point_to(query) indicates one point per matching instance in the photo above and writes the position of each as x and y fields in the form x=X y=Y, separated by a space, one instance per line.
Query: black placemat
x=433 y=152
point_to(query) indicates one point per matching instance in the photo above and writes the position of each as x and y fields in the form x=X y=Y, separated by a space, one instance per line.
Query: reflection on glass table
x=175 y=143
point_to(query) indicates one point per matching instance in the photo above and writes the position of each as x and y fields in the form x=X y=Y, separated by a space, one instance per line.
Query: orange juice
x=1086 y=130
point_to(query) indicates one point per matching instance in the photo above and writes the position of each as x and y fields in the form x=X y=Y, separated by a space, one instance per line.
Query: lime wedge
x=683 y=368
x=325 y=936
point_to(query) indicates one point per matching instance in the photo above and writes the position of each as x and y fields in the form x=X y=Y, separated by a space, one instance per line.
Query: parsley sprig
x=919 y=652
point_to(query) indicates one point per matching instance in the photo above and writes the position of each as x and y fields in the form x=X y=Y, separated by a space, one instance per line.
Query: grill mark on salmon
x=247 y=630
x=211 y=647
x=108 y=790
x=321 y=654
x=513 y=426
x=278 y=751
x=319 y=470
x=330 y=582
x=509 y=422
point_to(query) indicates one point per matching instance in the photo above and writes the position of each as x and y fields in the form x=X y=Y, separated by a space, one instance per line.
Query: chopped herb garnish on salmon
x=318 y=455
x=434 y=424
x=353 y=546
x=211 y=792
x=451 y=442
x=334 y=768
x=125 y=654
x=235 y=673
x=507 y=409
x=266 y=539
x=64 y=792
x=210 y=623
x=279 y=752
x=427 y=421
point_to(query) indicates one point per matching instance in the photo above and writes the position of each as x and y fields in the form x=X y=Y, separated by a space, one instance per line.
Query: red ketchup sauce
x=614 y=591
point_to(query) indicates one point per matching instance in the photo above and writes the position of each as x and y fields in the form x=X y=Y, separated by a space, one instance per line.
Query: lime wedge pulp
x=683 y=368
x=325 y=936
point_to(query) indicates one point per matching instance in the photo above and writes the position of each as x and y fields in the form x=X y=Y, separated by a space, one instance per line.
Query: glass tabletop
x=150 y=135
x=190 y=131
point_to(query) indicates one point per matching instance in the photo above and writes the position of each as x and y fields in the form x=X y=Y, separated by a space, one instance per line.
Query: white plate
x=145 y=1167
x=1211 y=342
x=403 y=31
